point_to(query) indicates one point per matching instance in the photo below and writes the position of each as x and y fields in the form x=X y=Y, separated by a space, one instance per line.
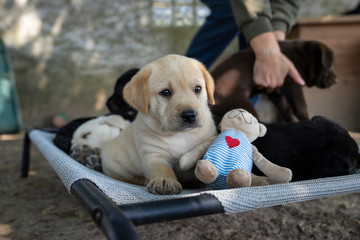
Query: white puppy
x=89 y=138
x=172 y=96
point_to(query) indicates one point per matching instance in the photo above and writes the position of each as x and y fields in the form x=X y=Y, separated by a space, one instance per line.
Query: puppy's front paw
x=93 y=162
x=164 y=186
x=186 y=162
x=80 y=153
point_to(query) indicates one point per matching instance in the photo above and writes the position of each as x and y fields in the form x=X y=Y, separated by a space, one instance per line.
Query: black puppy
x=312 y=149
x=63 y=137
x=116 y=105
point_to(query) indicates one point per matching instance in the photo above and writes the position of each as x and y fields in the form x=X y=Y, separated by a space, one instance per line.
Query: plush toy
x=229 y=158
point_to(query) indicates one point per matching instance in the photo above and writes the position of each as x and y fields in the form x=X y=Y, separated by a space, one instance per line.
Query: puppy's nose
x=188 y=116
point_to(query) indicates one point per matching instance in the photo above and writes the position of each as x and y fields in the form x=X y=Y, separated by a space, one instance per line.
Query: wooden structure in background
x=342 y=34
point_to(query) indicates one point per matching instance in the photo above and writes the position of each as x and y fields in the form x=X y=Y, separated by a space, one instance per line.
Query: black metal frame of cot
x=118 y=222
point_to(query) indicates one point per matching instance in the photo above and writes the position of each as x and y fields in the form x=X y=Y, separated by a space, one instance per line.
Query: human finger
x=295 y=75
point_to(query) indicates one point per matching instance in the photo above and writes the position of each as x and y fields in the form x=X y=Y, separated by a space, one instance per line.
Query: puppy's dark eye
x=85 y=135
x=197 y=89
x=165 y=93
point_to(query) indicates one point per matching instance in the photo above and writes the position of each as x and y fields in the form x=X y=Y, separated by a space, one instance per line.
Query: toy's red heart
x=232 y=142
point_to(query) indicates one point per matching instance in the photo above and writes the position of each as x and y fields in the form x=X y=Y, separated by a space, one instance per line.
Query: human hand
x=271 y=66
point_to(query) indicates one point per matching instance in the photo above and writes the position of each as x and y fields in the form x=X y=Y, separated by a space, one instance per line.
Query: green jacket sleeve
x=258 y=16
x=284 y=14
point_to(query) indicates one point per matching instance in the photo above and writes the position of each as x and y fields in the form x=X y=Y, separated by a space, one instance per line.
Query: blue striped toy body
x=230 y=150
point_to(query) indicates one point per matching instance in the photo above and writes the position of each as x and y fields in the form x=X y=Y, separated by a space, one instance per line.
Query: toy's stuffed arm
x=189 y=159
x=275 y=173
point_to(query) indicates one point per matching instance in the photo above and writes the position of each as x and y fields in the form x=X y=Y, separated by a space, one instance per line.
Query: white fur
x=96 y=132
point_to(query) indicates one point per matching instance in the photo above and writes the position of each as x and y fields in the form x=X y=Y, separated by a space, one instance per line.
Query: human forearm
x=271 y=65
x=264 y=43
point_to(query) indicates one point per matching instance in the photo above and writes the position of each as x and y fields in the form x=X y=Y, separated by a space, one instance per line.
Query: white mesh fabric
x=233 y=200
x=70 y=171
x=243 y=199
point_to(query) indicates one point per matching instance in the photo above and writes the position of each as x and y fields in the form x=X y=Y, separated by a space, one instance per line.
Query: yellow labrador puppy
x=172 y=96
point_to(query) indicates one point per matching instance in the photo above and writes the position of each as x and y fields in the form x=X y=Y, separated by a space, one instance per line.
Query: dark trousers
x=215 y=34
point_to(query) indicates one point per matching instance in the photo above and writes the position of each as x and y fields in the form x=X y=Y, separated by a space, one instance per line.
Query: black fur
x=63 y=138
x=116 y=103
x=355 y=10
x=312 y=149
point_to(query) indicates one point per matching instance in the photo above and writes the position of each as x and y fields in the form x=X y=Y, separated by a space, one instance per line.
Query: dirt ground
x=39 y=207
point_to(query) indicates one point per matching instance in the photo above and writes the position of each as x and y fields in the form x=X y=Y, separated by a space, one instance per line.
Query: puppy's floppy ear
x=320 y=53
x=210 y=85
x=136 y=91
x=327 y=56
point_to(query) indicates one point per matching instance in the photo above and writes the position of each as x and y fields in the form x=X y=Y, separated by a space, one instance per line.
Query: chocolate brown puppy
x=234 y=84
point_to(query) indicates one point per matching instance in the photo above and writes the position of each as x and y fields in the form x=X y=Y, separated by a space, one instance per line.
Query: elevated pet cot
x=117 y=206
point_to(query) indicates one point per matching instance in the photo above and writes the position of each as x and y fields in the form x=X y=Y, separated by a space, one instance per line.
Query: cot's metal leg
x=117 y=222
x=104 y=211
x=26 y=150
x=26 y=155
x=172 y=209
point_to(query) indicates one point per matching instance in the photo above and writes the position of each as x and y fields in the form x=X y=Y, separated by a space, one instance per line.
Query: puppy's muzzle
x=188 y=116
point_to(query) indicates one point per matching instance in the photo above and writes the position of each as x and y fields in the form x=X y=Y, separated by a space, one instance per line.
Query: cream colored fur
x=148 y=151
x=98 y=131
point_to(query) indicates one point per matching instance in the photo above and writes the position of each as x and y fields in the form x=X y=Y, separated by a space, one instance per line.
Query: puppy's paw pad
x=164 y=186
x=75 y=153
x=80 y=153
x=87 y=151
x=93 y=162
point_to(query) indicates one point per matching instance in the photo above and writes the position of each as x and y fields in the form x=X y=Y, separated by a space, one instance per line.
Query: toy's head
x=242 y=121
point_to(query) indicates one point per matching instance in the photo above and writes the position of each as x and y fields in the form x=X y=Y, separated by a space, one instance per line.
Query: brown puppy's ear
x=327 y=56
x=321 y=53
x=136 y=91
x=210 y=85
